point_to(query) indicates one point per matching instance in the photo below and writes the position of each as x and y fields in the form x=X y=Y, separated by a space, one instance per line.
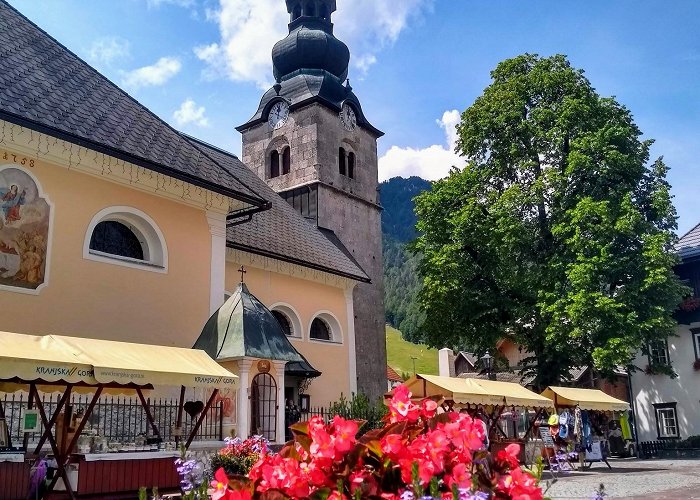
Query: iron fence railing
x=118 y=418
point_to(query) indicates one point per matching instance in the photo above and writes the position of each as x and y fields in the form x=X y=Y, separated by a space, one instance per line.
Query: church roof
x=281 y=232
x=688 y=246
x=244 y=327
x=47 y=88
x=306 y=87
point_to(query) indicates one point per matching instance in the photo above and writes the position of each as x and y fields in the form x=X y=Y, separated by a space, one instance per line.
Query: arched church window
x=320 y=330
x=310 y=9
x=274 y=164
x=342 y=160
x=284 y=322
x=296 y=13
x=286 y=161
x=323 y=12
x=114 y=238
x=128 y=237
x=351 y=165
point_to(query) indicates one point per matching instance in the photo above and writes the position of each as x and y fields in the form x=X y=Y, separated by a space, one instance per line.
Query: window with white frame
x=696 y=342
x=658 y=353
x=128 y=237
x=666 y=420
x=288 y=318
x=325 y=327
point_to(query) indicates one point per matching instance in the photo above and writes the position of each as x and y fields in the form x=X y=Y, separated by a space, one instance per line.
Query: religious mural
x=24 y=230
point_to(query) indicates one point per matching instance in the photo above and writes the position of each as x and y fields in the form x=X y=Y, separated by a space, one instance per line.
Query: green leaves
x=558 y=234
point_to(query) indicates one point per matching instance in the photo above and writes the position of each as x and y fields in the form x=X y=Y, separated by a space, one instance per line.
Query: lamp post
x=487 y=359
x=414 y=364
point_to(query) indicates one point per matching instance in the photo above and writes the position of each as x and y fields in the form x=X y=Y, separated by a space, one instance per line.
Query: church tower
x=312 y=143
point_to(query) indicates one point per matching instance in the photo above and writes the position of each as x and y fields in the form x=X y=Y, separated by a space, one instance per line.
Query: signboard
x=546 y=437
x=595 y=454
x=30 y=421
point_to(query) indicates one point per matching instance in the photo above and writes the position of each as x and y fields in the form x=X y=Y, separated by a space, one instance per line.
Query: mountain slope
x=401 y=282
x=400 y=354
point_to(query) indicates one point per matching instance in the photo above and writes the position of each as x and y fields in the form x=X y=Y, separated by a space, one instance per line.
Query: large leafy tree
x=559 y=232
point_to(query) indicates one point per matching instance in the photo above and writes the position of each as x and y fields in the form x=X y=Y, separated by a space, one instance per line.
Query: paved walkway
x=632 y=479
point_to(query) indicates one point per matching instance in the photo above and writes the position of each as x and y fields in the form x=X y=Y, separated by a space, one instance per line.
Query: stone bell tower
x=312 y=143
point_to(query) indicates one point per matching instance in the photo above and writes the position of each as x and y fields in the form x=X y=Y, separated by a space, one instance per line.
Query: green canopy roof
x=244 y=327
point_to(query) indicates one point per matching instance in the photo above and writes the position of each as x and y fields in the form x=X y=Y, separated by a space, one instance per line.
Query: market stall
x=581 y=422
x=488 y=400
x=66 y=364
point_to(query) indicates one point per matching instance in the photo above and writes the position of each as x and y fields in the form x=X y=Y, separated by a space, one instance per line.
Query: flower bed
x=418 y=454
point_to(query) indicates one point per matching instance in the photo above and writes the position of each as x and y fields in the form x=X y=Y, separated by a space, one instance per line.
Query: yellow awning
x=475 y=391
x=54 y=358
x=586 y=399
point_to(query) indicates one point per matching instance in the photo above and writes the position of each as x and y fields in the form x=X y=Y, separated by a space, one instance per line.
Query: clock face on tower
x=278 y=115
x=348 y=118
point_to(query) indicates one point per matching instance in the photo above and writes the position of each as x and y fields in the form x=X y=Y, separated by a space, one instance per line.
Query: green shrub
x=360 y=408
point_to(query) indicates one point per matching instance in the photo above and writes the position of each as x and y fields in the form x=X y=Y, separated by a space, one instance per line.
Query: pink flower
x=220 y=484
x=508 y=457
x=401 y=407
x=428 y=408
x=460 y=476
x=344 y=434
x=391 y=444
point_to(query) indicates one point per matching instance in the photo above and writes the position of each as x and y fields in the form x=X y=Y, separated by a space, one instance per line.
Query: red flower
x=220 y=484
x=401 y=407
x=460 y=476
x=344 y=434
x=392 y=444
x=520 y=485
x=428 y=408
x=508 y=458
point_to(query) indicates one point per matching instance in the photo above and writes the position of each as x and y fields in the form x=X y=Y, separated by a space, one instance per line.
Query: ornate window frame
x=293 y=317
x=145 y=228
x=333 y=324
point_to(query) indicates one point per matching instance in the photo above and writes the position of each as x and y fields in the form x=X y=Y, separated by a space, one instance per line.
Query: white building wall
x=684 y=390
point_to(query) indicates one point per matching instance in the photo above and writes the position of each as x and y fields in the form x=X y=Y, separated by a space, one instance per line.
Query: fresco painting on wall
x=24 y=231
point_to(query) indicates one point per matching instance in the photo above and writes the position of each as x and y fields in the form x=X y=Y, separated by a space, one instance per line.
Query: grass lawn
x=399 y=353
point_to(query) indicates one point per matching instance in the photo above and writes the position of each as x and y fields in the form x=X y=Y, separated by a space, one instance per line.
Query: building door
x=263 y=402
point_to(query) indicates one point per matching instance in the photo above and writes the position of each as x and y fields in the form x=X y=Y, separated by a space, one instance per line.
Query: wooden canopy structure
x=67 y=364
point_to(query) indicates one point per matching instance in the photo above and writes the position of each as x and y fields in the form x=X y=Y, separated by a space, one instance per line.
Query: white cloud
x=249 y=28
x=109 y=49
x=190 y=113
x=432 y=163
x=156 y=74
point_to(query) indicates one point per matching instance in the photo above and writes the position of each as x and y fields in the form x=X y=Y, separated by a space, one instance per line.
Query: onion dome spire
x=310 y=44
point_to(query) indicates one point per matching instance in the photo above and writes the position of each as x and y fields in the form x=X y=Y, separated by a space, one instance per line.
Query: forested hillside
x=401 y=283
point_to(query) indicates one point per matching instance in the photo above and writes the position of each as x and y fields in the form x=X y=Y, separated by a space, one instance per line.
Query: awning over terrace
x=91 y=362
x=586 y=399
x=476 y=391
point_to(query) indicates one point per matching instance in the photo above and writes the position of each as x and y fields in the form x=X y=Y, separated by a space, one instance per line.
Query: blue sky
x=202 y=64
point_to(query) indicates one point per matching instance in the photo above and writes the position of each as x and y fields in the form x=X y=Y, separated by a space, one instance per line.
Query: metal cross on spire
x=243 y=272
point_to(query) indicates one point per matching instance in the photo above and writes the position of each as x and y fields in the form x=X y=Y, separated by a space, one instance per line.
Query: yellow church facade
x=115 y=226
